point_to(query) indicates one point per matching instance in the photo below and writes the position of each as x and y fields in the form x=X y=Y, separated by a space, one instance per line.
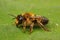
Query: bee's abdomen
x=44 y=21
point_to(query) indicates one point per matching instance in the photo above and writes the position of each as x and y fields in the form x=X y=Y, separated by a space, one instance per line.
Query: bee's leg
x=17 y=25
x=42 y=26
x=31 y=27
x=24 y=26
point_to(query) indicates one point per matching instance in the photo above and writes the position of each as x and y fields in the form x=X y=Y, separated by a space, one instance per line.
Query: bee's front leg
x=31 y=27
x=17 y=25
x=17 y=22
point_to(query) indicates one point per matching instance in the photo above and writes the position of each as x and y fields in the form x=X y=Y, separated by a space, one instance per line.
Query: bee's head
x=44 y=20
x=20 y=18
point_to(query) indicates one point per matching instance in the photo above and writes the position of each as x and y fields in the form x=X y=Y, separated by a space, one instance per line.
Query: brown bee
x=31 y=19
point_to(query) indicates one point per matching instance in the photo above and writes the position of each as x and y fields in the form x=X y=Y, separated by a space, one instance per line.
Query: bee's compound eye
x=20 y=18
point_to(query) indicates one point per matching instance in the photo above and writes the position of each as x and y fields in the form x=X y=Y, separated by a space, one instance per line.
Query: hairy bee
x=31 y=19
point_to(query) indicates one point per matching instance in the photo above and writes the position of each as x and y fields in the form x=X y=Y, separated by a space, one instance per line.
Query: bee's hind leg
x=43 y=27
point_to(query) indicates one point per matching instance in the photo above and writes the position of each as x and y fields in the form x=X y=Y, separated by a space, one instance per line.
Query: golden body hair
x=31 y=19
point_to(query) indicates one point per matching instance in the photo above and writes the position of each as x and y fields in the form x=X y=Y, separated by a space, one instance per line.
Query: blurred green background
x=47 y=8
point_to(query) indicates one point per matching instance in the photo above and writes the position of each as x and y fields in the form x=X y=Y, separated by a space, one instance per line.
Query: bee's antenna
x=12 y=16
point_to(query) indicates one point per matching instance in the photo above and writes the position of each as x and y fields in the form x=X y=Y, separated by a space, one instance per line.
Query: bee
x=31 y=19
